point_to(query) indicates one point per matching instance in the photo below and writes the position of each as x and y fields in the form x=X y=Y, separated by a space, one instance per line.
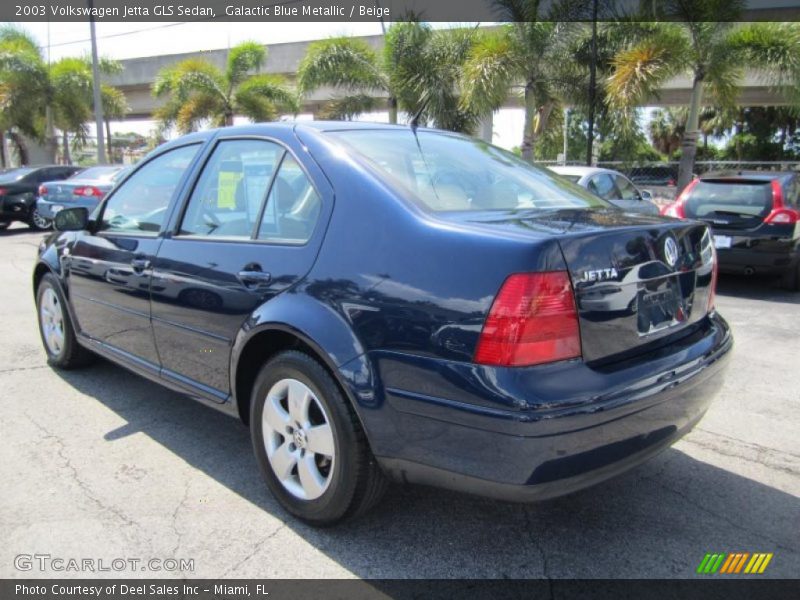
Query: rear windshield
x=14 y=175
x=745 y=199
x=572 y=178
x=452 y=173
x=97 y=173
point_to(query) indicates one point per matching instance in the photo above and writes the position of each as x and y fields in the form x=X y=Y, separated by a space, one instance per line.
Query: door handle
x=139 y=265
x=254 y=278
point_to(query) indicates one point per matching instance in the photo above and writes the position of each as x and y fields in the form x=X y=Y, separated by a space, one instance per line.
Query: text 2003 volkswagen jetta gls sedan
x=383 y=303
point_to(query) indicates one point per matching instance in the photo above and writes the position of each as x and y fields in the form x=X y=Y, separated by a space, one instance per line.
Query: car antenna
x=414 y=122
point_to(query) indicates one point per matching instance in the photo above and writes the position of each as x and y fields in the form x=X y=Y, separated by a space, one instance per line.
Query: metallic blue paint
x=392 y=300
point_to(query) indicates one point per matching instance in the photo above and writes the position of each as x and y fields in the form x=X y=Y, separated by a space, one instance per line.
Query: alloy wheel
x=51 y=315
x=298 y=439
x=40 y=221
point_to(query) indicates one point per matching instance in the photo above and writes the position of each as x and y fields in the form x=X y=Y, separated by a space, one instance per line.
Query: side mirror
x=71 y=219
x=646 y=195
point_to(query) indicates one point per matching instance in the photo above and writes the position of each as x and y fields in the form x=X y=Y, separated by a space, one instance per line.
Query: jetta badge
x=671 y=251
x=600 y=274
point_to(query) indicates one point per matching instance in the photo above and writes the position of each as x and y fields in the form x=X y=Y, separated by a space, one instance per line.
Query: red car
x=754 y=217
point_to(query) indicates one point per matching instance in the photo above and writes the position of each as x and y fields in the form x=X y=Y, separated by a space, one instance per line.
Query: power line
x=121 y=34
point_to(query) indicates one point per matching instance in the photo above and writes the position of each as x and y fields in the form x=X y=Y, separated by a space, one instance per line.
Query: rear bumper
x=564 y=426
x=45 y=207
x=15 y=208
x=773 y=259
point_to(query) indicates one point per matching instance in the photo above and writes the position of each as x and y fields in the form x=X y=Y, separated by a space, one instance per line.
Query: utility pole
x=592 y=85
x=98 y=102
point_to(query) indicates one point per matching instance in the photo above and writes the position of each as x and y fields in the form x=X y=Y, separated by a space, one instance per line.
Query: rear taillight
x=88 y=190
x=676 y=209
x=533 y=320
x=3 y=191
x=42 y=190
x=780 y=214
x=671 y=182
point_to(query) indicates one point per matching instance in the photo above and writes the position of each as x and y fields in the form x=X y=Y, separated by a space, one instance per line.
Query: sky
x=137 y=39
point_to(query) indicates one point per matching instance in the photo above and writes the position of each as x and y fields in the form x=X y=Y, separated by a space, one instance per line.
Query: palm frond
x=490 y=70
x=244 y=58
x=346 y=108
x=200 y=107
x=347 y=63
x=270 y=88
x=638 y=71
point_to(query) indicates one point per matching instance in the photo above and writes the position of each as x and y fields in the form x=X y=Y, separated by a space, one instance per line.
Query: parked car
x=391 y=303
x=610 y=185
x=655 y=175
x=85 y=188
x=755 y=219
x=18 y=193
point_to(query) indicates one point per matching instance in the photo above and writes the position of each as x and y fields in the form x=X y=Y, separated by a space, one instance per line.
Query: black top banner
x=373 y=10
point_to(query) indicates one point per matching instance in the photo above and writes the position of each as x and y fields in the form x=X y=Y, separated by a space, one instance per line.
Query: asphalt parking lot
x=102 y=464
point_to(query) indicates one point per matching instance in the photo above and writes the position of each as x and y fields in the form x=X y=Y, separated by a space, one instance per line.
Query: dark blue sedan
x=382 y=303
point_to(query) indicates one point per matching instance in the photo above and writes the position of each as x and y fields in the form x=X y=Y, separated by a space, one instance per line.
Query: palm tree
x=712 y=52
x=71 y=100
x=418 y=70
x=666 y=130
x=22 y=73
x=354 y=69
x=527 y=55
x=37 y=98
x=115 y=107
x=199 y=91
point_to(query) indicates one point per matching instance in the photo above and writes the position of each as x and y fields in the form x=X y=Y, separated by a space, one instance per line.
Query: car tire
x=321 y=479
x=56 y=329
x=37 y=222
x=791 y=279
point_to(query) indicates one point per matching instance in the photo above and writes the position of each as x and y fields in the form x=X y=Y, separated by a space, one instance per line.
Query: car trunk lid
x=636 y=279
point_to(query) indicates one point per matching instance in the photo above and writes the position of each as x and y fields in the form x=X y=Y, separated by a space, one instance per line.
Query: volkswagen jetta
x=381 y=302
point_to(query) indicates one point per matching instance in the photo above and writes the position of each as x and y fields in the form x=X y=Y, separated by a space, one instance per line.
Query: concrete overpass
x=138 y=74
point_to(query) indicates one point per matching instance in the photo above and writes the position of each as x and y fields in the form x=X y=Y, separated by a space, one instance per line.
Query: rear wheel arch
x=268 y=342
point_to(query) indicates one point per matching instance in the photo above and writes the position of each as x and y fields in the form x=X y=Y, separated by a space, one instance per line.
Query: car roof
x=751 y=175
x=580 y=171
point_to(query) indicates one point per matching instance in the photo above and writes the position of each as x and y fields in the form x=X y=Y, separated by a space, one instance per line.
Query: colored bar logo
x=734 y=563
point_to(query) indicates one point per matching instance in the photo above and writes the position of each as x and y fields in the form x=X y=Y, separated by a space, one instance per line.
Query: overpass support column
x=485 y=128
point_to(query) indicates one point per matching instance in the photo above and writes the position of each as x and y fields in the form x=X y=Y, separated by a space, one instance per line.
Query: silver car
x=612 y=186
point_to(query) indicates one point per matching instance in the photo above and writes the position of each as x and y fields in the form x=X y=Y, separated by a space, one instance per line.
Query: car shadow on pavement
x=657 y=521
x=755 y=287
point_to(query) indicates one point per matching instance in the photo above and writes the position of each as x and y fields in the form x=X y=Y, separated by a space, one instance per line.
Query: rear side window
x=293 y=206
x=745 y=199
x=227 y=199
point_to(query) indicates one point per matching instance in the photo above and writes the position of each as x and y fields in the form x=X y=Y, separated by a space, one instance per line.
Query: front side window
x=443 y=172
x=603 y=186
x=140 y=204
x=293 y=206
x=627 y=191
x=227 y=199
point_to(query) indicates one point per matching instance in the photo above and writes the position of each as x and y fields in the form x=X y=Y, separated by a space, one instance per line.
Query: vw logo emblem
x=671 y=251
